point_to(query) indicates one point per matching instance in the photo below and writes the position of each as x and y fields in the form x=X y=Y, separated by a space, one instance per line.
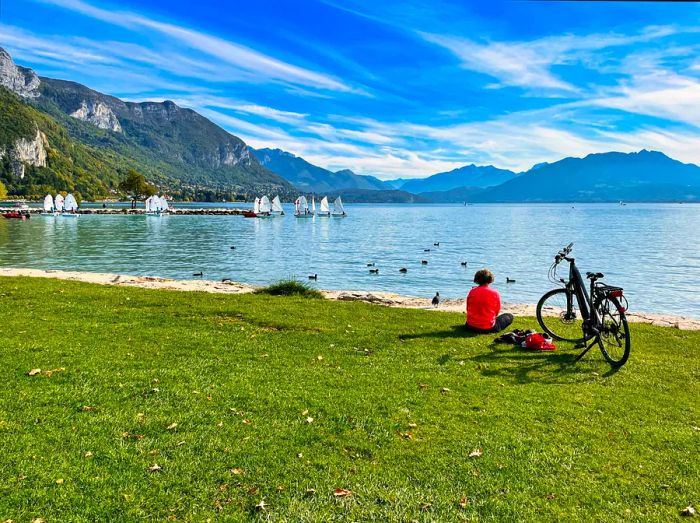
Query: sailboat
x=49 y=209
x=70 y=207
x=325 y=210
x=313 y=205
x=265 y=207
x=152 y=207
x=256 y=208
x=164 y=207
x=338 y=209
x=59 y=204
x=301 y=208
x=277 y=209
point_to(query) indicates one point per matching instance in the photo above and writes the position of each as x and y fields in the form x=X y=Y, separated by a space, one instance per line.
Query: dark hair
x=483 y=277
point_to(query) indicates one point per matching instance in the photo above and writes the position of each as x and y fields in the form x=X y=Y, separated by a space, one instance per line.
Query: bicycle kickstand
x=578 y=358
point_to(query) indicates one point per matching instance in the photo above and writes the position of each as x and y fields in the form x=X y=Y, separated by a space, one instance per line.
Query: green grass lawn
x=243 y=399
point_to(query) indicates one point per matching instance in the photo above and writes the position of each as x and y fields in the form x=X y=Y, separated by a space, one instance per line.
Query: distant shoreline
x=380 y=298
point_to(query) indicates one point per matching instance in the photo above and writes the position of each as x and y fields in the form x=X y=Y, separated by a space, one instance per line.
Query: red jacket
x=483 y=305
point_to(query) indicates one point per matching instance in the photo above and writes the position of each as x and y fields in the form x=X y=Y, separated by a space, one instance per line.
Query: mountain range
x=61 y=135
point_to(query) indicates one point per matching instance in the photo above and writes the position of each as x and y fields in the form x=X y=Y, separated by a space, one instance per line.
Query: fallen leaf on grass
x=155 y=468
x=279 y=488
x=38 y=520
x=425 y=506
x=180 y=443
x=697 y=429
x=412 y=425
x=551 y=495
x=406 y=435
x=59 y=481
x=87 y=408
x=88 y=454
x=444 y=390
x=34 y=372
x=253 y=491
x=319 y=357
x=688 y=512
x=463 y=502
x=309 y=420
x=126 y=435
x=246 y=422
x=300 y=455
x=236 y=471
x=220 y=424
x=305 y=412
x=476 y=453
x=310 y=492
x=171 y=426
x=50 y=372
x=423 y=386
x=342 y=493
x=261 y=506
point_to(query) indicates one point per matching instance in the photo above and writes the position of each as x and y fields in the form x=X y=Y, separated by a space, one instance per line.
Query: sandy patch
x=380 y=298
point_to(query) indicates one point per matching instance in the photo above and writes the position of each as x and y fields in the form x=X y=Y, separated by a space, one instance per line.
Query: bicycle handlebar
x=563 y=253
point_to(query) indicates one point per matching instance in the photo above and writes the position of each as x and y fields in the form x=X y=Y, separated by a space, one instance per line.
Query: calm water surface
x=649 y=249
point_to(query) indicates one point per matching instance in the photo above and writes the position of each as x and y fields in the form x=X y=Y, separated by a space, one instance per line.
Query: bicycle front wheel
x=614 y=337
x=559 y=316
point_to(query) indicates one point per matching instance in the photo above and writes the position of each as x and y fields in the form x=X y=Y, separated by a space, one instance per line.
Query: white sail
x=48 y=203
x=265 y=206
x=70 y=204
x=338 y=206
x=324 y=206
x=256 y=206
x=313 y=204
x=149 y=204
x=60 y=203
x=164 y=204
x=303 y=205
x=277 y=205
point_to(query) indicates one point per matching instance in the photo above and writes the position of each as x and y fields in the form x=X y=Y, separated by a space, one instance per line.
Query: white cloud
x=253 y=62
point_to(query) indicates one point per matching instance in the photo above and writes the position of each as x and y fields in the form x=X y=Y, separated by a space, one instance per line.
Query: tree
x=136 y=186
x=3 y=191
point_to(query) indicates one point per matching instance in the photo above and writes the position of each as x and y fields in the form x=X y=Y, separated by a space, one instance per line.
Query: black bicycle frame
x=579 y=287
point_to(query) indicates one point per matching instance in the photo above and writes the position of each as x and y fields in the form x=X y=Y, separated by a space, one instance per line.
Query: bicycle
x=578 y=315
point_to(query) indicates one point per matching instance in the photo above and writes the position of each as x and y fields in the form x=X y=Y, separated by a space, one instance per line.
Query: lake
x=649 y=249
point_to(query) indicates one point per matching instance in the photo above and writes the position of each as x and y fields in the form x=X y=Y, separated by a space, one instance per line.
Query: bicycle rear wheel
x=614 y=337
x=559 y=316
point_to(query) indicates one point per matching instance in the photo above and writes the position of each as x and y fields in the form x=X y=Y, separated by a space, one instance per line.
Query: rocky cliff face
x=98 y=114
x=27 y=151
x=19 y=80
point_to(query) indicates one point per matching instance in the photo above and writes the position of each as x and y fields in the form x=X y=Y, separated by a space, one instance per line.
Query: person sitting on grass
x=483 y=306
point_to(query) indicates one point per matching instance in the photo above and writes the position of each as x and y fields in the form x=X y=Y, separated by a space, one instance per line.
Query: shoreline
x=386 y=299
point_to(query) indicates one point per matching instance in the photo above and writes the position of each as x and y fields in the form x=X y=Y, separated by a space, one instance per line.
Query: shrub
x=290 y=288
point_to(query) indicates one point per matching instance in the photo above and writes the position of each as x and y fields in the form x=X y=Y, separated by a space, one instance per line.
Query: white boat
x=301 y=208
x=49 y=209
x=59 y=203
x=338 y=209
x=313 y=205
x=152 y=206
x=265 y=209
x=163 y=205
x=70 y=207
x=277 y=209
x=325 y=209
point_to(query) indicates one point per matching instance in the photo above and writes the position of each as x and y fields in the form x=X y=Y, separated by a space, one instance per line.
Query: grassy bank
x=250 y=398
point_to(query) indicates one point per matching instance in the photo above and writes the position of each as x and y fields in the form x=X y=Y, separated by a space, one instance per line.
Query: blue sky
x=391 y=88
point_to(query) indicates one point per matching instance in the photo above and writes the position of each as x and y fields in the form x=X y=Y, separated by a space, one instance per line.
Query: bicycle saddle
x=594 y=275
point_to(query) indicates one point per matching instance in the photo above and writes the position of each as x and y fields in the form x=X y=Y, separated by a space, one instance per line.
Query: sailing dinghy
x=301 y=208
x=152 y=206
x=59 y=203
x=70 y=207
x=338 y=209
x=324 y=210
x=49 y=209
x=265 y=207
x=277 y=209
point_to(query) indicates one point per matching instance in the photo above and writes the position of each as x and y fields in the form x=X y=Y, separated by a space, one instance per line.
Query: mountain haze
x=467 y=176
x=602 y=177
x=311 y=178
